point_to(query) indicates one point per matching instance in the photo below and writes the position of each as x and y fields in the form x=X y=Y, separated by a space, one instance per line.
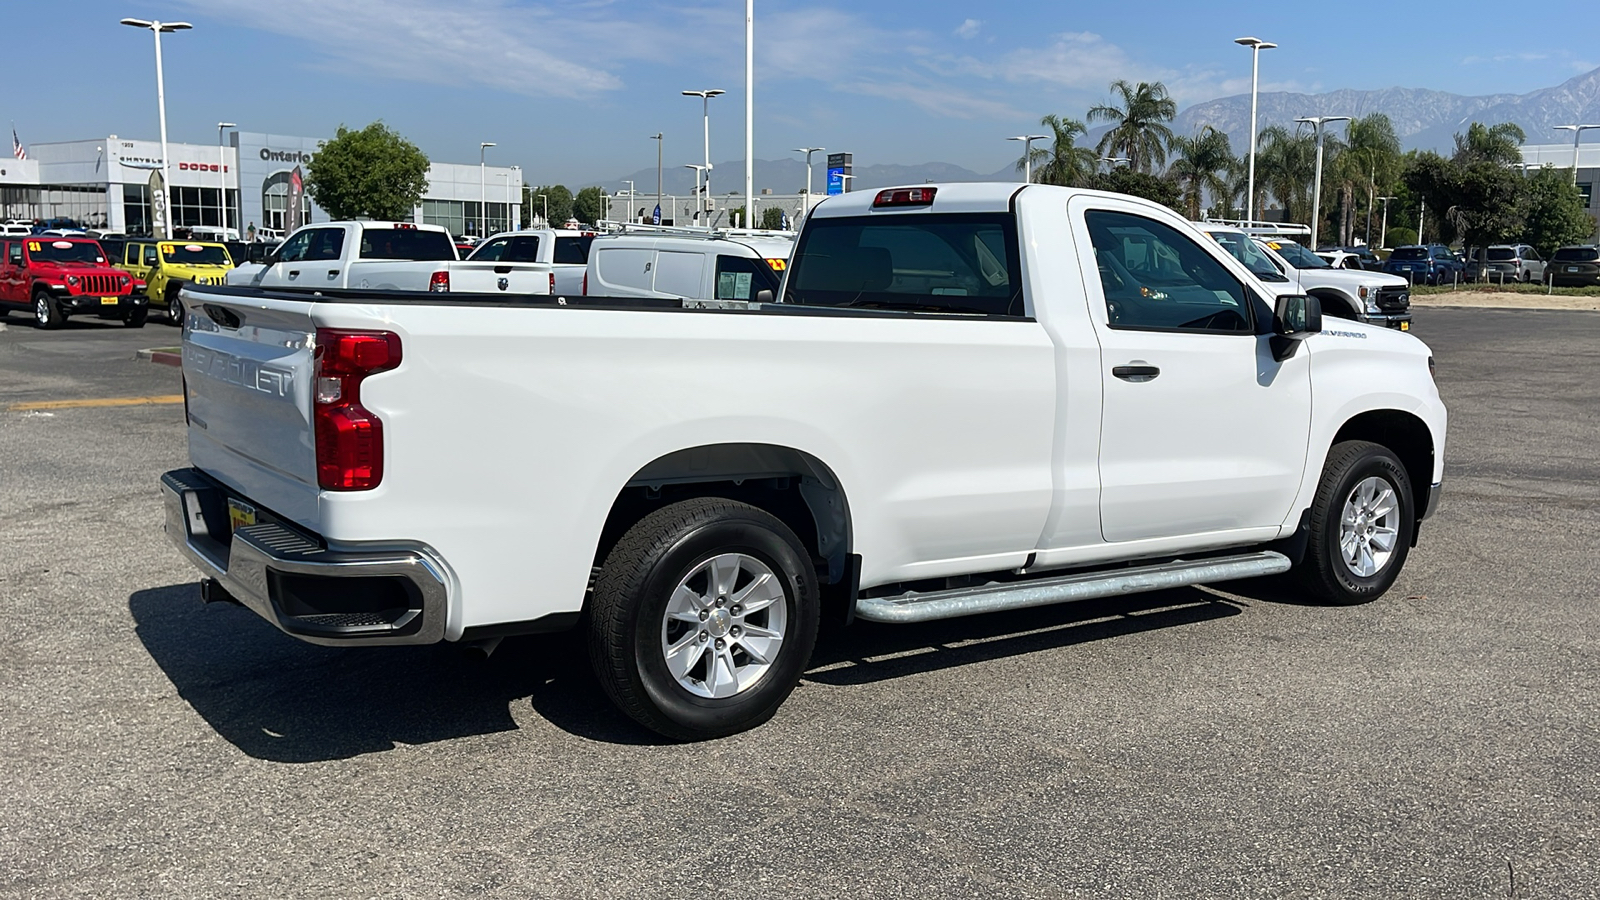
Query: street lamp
x=222 y=173
x=698 y=198
x=544 y=205
x=1383 y=236
x=514 y=222
x=482 y=191
x=1256 y=45
x=1577 y=135
x=1027 y=153
x=808 y=151
x=1115 y=160
x=656 y=217
x=159 y=28
x=630 y=200
x=1316 y=122
x=705 y=113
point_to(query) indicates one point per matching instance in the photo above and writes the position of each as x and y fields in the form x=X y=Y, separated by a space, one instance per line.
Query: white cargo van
x=687 y=265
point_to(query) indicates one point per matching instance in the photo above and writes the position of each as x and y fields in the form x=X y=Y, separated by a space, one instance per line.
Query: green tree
x=1124 y=180
x=1367 y=169
x=1063 y=162
x=1140 y=130
x=553 y=197
x=772 y=218
x=1475 y=195
x=1556 y=211
x=1401 y=235
x=373 y=173
x=1203 y=165
x=589 y=205
x=1500 y=144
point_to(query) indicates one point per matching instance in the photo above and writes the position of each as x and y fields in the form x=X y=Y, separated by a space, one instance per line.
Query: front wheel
x=174 y=305
x=45 y=311
x=1362 y=520
x=703 y=618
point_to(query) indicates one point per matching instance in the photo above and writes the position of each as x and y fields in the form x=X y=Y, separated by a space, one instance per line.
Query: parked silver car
x=1511 y=262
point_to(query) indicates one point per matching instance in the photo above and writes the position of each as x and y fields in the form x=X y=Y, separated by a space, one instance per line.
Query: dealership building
x=106 y=184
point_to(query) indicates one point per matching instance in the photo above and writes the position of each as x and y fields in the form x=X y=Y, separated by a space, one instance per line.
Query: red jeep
x=58 y=277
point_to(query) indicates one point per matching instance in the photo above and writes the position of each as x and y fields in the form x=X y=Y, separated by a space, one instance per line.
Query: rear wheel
x=1362 y=520
x=703 y=618
x=45 y=311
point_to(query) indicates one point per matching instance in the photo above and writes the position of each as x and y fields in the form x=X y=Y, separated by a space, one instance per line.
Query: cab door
x=10 y=271
x=1202 y=431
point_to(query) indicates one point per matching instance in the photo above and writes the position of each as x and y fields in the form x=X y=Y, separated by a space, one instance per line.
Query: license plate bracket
x=240 y=515
x=108 y=301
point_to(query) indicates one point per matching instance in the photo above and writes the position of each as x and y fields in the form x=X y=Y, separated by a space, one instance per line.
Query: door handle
x=294 y=273
x=332 y=273
x=1136 y=374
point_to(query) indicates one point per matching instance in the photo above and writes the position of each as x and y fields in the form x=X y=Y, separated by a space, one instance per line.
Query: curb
x=161 y=356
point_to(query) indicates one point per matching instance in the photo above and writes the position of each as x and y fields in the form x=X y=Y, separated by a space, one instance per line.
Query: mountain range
x=1423 y=119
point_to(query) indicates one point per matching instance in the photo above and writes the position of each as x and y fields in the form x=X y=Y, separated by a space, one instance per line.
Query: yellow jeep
x=165 y=266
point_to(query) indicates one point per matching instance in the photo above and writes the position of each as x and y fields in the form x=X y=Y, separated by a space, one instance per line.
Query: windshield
x=509 y=249
x=1410 y=253
x=1298 y=256
x=195 y=255
x=406 y=243
x=1577 y=254
x=66 y=252
x=948 y=263
x=1245 y=250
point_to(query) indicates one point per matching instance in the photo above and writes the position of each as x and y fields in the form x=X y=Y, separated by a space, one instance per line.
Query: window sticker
x=733 y=286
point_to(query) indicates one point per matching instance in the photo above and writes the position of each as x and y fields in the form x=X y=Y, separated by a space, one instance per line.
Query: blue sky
x=572 y=91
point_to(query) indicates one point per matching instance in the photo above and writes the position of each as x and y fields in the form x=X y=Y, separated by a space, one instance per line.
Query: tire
x=174 y=305
x=656 y=592
x=45 y=311
x=134 y=318
x=1360 y=477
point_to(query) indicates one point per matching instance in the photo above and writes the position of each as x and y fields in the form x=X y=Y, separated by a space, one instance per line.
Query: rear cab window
x=404 y=244
x=573 y=251
x=521 y=248
x=951 y=263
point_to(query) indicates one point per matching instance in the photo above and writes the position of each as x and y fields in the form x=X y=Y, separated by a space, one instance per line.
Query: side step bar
x=998 y=596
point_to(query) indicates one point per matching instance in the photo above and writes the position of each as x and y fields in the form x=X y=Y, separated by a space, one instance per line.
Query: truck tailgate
x=473 y=277
x=248 y=371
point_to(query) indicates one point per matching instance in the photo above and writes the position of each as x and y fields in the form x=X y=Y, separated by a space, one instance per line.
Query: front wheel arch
x=1337 y=304
x=1407 y=437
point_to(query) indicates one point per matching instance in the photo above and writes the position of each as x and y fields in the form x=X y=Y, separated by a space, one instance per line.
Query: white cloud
x=969 y=29
x=1078 y=60
x=941 y=100
x=521 y=48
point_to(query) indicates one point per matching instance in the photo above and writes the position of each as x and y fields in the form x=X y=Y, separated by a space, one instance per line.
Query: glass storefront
x=461 y=216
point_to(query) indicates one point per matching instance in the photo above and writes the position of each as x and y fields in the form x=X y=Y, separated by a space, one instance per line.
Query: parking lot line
x=102 y=401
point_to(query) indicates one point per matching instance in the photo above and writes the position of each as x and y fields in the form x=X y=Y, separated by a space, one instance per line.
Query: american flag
x=16 y=145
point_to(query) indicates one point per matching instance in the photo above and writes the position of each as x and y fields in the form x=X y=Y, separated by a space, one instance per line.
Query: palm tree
x=1495 y=143
x=1140 y=132
x=1371 y=159
x=1286 y=164
x=1063 y=162
x=1203 y=165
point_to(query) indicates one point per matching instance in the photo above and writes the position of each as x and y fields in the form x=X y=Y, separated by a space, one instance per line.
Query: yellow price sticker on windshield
x=34 y=247
x=1274 y=245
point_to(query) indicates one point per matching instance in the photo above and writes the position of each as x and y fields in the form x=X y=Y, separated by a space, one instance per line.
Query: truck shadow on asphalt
x=279 y=699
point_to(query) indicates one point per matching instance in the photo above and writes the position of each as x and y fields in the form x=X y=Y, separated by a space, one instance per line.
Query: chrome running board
x=998 y=596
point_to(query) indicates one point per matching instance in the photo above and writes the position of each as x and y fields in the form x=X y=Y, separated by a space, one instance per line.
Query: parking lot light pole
x=1577 y=135
x=1256 y=45
x=1316 y=122
x=705 y=114
x=483 y=196
x=630 y=200
x=699 y=200
x=1027 y=153
x=659 y=144
x=159 y=28
x=808 y=151
x=222 y=173
x=1383 y=236
x=544 y=204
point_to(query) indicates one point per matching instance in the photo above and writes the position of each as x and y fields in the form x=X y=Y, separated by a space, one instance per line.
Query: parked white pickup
x=964 y=398
x=394 y=256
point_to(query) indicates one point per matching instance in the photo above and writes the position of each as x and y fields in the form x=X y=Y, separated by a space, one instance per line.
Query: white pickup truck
x=566 y=252
x=964 y=398
x=387 y=256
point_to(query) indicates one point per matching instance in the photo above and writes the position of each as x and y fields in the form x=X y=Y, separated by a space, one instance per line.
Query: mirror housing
x=1295 y=318
x=764 y=296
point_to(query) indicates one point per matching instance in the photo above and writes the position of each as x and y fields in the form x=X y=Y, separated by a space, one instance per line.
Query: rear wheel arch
x=1406 y=436
x=793 y=485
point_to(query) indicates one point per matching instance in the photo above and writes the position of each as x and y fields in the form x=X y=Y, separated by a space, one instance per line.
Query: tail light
x=905 y=197
x=552 y=282
x=349 y=438
x=439 y=282
x=585 y=282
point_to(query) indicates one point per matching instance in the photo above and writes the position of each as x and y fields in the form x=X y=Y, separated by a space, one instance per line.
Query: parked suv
x=61 y=277
x=166 y=266
x=1577 y=266
x=1510 y=262
x=1426 y=264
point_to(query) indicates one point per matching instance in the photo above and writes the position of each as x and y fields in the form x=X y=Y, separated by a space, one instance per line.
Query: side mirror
x=1296 y=318
x=763 y=296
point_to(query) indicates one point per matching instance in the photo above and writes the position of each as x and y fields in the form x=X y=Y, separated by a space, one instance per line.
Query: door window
x=14 y=254
x=150 y=255
x=294 y=249
x=739 y=277
x=1156 y=278
x=326 y=244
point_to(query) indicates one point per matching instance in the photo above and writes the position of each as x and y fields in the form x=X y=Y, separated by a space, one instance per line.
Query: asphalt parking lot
x=1441 y=742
